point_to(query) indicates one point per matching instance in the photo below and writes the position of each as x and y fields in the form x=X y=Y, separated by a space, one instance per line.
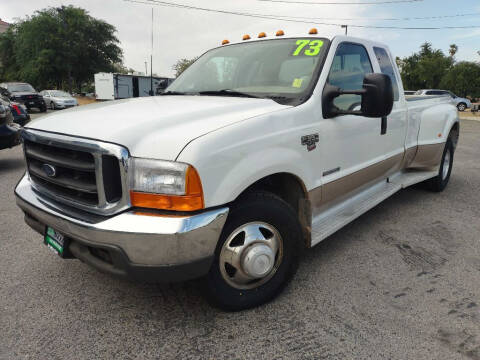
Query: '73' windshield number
x=313 y=49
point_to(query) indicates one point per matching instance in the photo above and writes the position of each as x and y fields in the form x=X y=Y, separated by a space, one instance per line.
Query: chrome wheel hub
x=446 y=165
x=251 y=255
x=258 y=261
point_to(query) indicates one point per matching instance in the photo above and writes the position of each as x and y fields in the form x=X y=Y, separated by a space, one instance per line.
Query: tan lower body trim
x=340 y=187
x=409 y=156
x=428 y=155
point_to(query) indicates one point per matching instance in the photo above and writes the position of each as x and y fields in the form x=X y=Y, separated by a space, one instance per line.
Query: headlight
x=165 y=185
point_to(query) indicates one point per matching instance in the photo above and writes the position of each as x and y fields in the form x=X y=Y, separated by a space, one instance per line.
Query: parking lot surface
x=400 y=282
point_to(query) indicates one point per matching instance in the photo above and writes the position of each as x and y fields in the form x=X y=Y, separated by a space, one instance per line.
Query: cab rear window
x=386 y=67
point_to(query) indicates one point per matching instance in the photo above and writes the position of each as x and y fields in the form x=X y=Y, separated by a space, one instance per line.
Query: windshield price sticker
x=297 y=83
x=307 y=47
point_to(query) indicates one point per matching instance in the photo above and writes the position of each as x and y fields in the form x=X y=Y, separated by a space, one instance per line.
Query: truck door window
x=386 y=67
x=350 y=64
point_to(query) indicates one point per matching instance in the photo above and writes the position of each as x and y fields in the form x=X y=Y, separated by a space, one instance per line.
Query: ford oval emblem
x=49 y=170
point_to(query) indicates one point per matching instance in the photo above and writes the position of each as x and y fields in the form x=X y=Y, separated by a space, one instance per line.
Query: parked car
x=57 y=99
x=461 y=103
x=19 y=111
x=25 y=94
x=229 y=177
x=9 y=131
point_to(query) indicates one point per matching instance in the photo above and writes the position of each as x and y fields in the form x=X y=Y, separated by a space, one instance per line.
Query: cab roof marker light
x=280 y=33
x=313 y=31
x=225 y=42
x=262 y=35
x=246 y=37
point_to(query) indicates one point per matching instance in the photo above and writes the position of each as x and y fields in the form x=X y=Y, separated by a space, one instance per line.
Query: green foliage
x=182 y=65
x=431 y=68
x=453 y=50
x=58 y=47
x=425 y=69
x=463 y=79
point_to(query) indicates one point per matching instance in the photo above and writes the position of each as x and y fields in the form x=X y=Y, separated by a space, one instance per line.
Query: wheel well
x=454 y=134
x=292 y=190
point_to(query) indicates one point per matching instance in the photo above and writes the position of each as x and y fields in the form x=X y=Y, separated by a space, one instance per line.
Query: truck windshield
x=282 y=69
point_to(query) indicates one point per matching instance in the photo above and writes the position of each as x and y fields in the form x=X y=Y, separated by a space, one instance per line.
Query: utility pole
x=151 y=62
x=346 y=29
x=61 y=12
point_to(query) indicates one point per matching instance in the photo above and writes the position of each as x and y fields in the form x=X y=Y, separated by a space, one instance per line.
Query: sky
x=181 y=33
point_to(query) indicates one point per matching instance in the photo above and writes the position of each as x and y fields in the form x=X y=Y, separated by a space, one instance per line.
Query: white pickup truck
x=260 y=149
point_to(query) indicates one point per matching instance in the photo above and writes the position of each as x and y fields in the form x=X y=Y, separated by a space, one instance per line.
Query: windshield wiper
x=227 y=92
x=173 y=93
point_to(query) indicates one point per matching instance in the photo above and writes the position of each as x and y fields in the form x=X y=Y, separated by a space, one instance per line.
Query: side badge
x=310 y=141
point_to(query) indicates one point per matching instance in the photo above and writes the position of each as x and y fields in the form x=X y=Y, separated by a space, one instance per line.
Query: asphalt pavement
x=400 y=282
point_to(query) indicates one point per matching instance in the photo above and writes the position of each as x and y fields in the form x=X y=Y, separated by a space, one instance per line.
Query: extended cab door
x=353 y=148
x=393 y=141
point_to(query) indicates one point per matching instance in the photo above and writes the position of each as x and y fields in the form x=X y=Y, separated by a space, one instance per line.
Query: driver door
x=350 y=151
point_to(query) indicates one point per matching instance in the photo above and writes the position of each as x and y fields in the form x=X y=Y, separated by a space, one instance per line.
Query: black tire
x=52 y=105
x=263 y=207
x=440 y=182
x=461 y=107
x=43 y=108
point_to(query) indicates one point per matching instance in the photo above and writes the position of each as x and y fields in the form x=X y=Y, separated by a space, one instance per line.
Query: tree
x=463 y=79
x=58 y=47
x=182 y=65
x=453 y=50
x=424 y=69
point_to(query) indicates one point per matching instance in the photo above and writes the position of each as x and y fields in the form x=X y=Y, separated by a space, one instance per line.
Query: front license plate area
x=55 y=241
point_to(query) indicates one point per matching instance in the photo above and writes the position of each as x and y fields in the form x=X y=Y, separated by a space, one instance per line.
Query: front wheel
x=257 y=253
x=52 y=105
x=440 y=182
x=461 y=107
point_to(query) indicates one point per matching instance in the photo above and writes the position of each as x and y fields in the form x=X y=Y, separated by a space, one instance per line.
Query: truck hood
x=154 y=127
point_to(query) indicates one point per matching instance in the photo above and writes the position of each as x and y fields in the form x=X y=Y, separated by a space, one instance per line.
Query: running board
x=336 y=217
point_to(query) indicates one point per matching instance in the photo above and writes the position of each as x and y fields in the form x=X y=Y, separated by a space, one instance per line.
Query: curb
x=470 y=118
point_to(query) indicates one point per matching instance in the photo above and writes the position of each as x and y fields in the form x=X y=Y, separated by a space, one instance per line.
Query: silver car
x=57 y=99
x=461 y=103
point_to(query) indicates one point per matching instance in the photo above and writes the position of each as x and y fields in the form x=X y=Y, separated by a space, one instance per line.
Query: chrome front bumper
x=146 y=242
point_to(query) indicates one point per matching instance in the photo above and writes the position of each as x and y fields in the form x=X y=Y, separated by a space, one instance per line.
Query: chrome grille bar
x=80 y=182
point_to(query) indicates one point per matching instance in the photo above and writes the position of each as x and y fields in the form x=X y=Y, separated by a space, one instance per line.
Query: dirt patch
x=83 y=100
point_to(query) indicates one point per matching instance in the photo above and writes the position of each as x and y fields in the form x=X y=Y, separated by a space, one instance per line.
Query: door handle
x=383 y=130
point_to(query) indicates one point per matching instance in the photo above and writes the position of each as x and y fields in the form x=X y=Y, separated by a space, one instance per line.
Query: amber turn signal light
x=191 y=201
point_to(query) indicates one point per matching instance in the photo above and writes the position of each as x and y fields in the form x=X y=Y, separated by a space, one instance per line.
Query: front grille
x=90 y=176
x=75 y=171
x=29 y=97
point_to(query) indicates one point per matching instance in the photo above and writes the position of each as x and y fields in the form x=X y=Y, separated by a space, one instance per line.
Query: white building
x=3 y=26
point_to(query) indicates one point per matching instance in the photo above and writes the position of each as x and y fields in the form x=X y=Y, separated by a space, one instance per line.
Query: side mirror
x=377 y=98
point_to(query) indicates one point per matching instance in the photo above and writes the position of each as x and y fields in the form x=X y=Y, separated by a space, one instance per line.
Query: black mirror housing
x=377 y=97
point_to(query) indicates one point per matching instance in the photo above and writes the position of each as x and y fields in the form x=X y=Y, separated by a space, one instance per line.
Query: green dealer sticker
x=54 y=240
